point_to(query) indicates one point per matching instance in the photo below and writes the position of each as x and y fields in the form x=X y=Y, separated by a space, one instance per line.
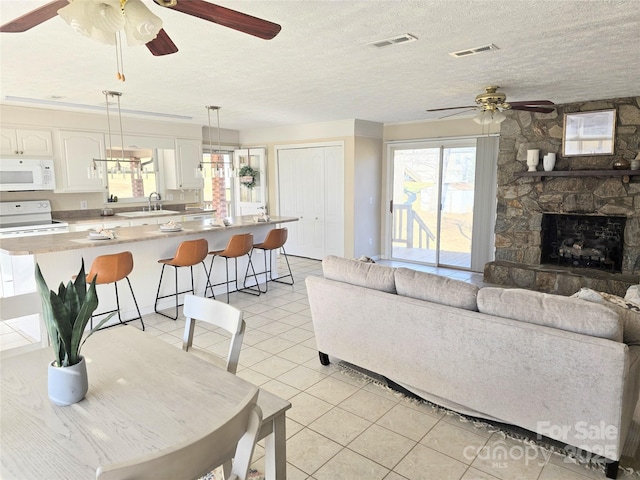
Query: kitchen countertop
x=78 y=240
x=95 y=218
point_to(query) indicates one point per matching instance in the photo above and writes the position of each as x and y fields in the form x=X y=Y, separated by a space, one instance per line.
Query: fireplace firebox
x=586 y=241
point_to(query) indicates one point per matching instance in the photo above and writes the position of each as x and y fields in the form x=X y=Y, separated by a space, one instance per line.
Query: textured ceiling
x=320 y=68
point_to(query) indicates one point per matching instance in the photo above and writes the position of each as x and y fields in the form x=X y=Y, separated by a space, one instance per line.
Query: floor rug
x=629 y=463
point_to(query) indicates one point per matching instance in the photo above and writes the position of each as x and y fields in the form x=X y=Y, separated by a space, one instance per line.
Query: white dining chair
x=216 y=313
x=230 y=444
x=20 y=306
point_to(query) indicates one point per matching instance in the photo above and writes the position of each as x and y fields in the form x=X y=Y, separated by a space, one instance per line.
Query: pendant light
x=220 y=168
x=93 y=170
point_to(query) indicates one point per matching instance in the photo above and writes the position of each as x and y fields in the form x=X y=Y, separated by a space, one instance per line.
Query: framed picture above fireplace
x=589 y=133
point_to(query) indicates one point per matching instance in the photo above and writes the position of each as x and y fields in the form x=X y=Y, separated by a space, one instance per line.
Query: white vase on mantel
x=533 y=158
x=548 y=162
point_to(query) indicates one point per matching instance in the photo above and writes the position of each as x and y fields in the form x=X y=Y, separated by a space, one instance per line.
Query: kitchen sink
x=152 y=213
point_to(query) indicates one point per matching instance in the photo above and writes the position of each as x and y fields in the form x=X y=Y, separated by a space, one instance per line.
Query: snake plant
x=66 y=315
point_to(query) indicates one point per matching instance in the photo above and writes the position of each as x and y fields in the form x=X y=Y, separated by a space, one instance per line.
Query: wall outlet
x=83 y=205
x=169 y=196
x=182 y=196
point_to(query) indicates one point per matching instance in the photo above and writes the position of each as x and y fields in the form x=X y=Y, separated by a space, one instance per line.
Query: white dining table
x=144 y=395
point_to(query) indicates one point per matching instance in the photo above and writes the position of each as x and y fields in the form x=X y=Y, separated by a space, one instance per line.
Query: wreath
x=248 y=176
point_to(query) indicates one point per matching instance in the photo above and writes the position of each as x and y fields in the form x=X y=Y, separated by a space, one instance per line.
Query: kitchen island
x=60 y=256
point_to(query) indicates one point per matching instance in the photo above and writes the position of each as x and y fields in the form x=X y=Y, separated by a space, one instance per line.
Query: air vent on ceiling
x=407 y=37
x=473 y=51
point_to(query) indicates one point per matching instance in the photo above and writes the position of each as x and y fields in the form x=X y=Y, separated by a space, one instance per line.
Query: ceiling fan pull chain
x=119 y=58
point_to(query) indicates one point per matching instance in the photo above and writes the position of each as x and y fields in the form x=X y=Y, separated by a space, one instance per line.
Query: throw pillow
x=556 y=311
x=436 y=289
x=368 y=275
x=627 y=310
x=633 y=294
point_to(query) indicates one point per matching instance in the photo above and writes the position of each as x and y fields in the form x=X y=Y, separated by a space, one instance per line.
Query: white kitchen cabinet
x=181 y=170
x=78 y=149
x=134 y=222
x=198 y=216
x=84 y=227
x=25 y=142
x=116 y=224
x=166 y=219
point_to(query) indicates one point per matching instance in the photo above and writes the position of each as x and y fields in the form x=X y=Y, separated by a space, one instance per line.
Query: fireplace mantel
x=626 y=174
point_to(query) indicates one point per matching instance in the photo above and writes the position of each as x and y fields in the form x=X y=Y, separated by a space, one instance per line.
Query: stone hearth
x=522 y=201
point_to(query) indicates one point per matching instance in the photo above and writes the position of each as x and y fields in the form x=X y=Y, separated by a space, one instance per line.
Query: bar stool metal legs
x=276 y=238
x=111 y=269
x=188 y=254
x=238 y=246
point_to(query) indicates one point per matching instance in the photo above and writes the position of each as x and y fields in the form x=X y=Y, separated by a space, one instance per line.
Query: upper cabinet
x=25 y=142
x=78 y=149
x=182 y=170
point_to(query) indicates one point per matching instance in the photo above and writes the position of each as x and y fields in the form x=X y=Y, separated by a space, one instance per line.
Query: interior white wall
x=367 y=192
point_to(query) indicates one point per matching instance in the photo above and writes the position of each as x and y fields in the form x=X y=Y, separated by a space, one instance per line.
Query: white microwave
x=20 y=174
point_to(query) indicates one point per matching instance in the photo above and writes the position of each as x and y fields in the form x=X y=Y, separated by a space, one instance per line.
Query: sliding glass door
x=433 y=202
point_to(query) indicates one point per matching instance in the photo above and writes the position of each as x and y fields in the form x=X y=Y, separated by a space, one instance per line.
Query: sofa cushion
x=564 y=313
x=627 y=309
x=437 y=289
x=369 y=275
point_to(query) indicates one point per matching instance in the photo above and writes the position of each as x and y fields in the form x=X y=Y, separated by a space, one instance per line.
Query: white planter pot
x=68 y=385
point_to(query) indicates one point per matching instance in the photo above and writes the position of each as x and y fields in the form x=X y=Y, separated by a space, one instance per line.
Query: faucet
x=158 y=198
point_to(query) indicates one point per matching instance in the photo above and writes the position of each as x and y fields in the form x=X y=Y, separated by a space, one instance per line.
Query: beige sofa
x=553 y=365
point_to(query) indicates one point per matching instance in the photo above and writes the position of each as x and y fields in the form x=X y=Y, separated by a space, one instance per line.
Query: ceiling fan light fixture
x=486 y=117
x=102 y=20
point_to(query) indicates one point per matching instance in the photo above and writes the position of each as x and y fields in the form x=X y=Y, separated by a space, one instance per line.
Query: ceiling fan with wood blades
x=491 y=103
x=161 y=44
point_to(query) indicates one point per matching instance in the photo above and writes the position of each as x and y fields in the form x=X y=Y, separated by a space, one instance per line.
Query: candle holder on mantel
x=533 y=158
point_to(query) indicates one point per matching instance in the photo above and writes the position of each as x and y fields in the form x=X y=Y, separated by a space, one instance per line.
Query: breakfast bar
x=59 y=257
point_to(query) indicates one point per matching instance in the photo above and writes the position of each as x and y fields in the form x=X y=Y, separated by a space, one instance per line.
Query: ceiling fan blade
x=534 y=102
x=449 y=108
x=227 y=18
x=533 y=109
x=457 y=113
x=34 y=17
x=162 y=44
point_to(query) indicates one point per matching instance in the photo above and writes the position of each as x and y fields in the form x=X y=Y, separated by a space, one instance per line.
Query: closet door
x=311 y=187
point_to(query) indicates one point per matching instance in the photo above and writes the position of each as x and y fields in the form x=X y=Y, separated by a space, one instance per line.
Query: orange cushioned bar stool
x=276 y=238
x=238 y=246
x=188 y=254
x=111 y=269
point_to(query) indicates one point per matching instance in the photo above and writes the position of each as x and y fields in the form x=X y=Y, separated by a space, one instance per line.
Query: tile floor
x=343 y=428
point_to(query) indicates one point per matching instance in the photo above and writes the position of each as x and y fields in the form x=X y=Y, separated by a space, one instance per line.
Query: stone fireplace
x=596 y=217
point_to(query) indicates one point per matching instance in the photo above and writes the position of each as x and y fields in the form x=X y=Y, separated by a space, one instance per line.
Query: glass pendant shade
x=485 y=117
x=100 y=20
x=141 y=25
